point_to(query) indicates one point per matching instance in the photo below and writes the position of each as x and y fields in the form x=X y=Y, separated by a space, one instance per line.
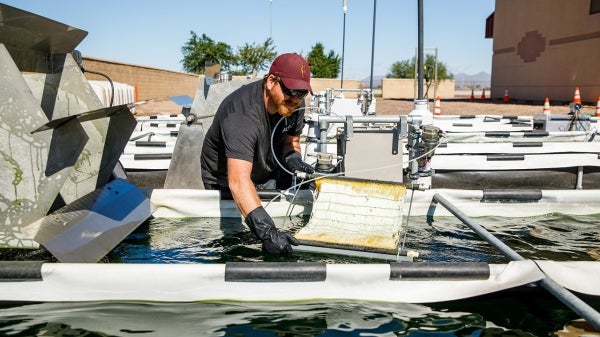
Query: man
x=237 y=154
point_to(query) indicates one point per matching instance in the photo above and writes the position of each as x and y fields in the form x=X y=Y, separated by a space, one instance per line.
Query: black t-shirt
x=242 y=129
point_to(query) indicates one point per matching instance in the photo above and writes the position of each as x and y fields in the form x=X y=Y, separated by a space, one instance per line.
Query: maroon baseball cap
x=293 y=71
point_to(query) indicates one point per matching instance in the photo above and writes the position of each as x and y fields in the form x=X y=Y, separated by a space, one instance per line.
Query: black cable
x=112 y=87
x=79 y=60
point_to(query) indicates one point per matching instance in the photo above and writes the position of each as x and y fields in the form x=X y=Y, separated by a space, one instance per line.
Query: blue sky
x=152 y=32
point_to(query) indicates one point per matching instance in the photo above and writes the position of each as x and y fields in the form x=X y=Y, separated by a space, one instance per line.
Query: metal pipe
x=348 y=90
x=414 y=135
x=373 y=43
x=420 y=51
x=271 y=19
x=323 y=129
x=149 y=134
x=565 y=296
x=368 y=119
x=345 y=9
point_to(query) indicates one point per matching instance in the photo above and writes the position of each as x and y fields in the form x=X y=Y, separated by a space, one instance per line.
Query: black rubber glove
x=294 y=162
x=273 y=240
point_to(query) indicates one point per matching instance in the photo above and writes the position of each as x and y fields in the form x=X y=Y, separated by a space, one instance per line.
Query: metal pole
x=271 y=19
x=345 y=9
x=565 y=296
x=435 y=75
x=373 y=44
x=420 y=52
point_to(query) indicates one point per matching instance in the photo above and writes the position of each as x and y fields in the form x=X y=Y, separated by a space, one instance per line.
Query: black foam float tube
x=162 y=116
x=142 y=143
x=565 y=296
x=505 y=157
x=20 y=271
x=528 y=144
x=275 y=271
x=168 y=125
x=536 y=133
x=439 y=271
x=502 y=134
x=152 y=156
x=491 y=195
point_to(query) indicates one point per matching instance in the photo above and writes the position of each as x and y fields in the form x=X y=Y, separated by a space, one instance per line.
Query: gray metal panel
x=36 y=43
x=120 y=128
x=24 y=30
x=26 y=190
x=88 y=228
x=68 y=93
x=209 y=96
x=184 y=170
x=369 y=156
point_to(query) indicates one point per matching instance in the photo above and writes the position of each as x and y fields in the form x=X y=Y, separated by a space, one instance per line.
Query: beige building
x=545 y=48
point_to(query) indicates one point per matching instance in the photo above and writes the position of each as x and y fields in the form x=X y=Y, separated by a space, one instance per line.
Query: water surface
x=521 y=312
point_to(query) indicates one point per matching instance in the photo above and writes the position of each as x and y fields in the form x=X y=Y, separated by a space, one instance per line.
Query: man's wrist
x=290 y=153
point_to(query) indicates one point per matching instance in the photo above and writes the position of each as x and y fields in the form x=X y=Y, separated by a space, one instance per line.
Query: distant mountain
x=376 y=81
x=481 y=79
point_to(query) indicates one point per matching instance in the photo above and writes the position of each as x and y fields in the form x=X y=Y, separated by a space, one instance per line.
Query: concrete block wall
x=153 y=83
x=406 y=88
x=320 y=84
x=150 y=82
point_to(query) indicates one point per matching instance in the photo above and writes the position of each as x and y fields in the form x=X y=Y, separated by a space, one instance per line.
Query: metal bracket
x=349 y=129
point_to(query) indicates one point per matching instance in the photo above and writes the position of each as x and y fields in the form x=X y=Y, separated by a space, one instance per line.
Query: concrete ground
x=456 y=106
x=462 y=106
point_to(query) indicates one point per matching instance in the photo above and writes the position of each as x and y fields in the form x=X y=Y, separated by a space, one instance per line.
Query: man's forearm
x=245 y=197
x=292 y=144
x=241 y=185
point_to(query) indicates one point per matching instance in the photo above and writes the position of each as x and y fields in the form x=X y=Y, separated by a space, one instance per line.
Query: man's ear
x=271 y=81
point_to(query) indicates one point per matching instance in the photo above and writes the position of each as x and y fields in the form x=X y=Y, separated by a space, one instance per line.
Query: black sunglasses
x=293 y=93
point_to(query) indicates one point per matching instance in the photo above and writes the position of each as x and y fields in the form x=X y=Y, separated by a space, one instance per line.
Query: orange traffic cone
x=437 y=109
x=506 y=98
x=577 y=97
x=472 y=95
x=483 y=95
x=598 y=107
x=547 y=106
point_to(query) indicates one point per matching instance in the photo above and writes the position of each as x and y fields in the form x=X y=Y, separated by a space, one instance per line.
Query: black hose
x=112 y=87
x=79 y=60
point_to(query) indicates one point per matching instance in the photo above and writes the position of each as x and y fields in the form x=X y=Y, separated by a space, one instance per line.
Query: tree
x=252 y=58
x=402 y=69
x=322 y=66
x=198 y=51
x=406 y=69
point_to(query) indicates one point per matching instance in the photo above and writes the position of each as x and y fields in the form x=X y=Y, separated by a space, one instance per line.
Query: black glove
x=273 y=240
x=294 y=162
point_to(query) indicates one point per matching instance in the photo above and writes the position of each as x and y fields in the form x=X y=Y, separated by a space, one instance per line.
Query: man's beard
x=284 y=107
x=286 y=110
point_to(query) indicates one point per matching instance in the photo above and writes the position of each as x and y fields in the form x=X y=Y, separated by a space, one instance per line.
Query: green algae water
x=526 y=311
